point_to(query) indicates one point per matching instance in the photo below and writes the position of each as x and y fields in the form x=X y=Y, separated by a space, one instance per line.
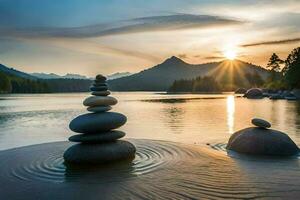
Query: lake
x=27 y=119
x=180 y=142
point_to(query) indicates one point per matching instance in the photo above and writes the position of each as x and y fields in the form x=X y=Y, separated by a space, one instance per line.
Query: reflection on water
x=230 y=113
x=200 y=119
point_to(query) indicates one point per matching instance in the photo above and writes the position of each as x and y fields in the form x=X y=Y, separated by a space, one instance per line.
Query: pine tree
x=274 y=66
x=292 y=69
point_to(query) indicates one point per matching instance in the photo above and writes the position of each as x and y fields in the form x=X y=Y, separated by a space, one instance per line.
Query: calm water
x=194 y=119
x=157 y=171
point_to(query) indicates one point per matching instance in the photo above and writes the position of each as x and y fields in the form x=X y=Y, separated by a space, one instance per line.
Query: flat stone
x=100 y=101
x=101 y=93
x=261 y=123
x=97 y=122
x=100 y=77
x=260 y=141
x=99 y=109
x=97 y=137
x=104 y=153
x=99 y=81
x=100 y=88
x=99 y=85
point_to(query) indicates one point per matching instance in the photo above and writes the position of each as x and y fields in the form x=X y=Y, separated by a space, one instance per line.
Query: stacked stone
x=98 y=141
x=261 y=140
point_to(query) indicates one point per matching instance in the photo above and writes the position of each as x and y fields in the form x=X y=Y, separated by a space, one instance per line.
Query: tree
x=5 y=86
x=254 y=79
x=206 y=84
x=274 y=66
x=274 y=63
x=292 y=69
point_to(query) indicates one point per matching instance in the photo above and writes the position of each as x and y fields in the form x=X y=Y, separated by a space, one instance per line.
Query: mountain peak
x=173 y=60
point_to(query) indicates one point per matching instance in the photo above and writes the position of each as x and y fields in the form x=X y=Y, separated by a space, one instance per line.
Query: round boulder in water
x=97 y=122
x=100 y=101
x=261 y=141
x=98 y=109
x=100 y=153
x=97 y=137
x=254 y=93
x=261 y=123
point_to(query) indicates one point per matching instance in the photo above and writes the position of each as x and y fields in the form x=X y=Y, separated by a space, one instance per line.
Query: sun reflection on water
x=230 y=113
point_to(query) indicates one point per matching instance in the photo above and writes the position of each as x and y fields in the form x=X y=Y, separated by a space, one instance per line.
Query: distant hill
x=77 y=76
x=160 y=77
x=14 y=81
x=118 y=75
x=55 y=76
x=14 y=72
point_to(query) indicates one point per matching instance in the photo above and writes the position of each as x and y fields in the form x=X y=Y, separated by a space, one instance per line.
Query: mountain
x=14 y=72
x=161 y=76
x=77 y=76
x=55 y=76
x=118 y=75
x=14 y=81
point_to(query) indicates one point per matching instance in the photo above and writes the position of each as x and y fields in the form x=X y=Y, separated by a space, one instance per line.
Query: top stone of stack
x=261 y=123
x=100 y=78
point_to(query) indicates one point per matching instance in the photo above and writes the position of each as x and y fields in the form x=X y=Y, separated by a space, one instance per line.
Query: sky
x=108 y=36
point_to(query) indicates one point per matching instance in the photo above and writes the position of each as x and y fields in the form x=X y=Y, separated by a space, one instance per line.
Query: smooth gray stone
x=99 y=82
x=99 y=109
x=104 y=153
x=97 y=137
x=261 y=123
x=99 y=101
x=101 y=93
x=100 y=77
x=260 y=141
x=100 y=85
x=100 y=88
x=97 y=122
x=254 y=93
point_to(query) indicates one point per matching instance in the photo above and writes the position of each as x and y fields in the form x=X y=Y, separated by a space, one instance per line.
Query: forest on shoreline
x=13 y=84
x=283 y=75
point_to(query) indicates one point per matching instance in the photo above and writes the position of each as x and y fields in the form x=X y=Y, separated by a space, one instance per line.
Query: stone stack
x=98 y=141
x=261 y=140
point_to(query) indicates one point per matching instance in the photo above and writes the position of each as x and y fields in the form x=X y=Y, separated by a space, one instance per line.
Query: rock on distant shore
x=254 y=93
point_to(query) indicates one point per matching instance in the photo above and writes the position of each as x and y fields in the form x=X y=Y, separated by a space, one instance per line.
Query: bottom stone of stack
x=103 y=153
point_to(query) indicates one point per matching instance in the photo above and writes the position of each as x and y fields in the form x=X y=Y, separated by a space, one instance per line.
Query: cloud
x=272 y=42
x=182 y=56
x=214 y=57
x=137 y=25
x=90 y=47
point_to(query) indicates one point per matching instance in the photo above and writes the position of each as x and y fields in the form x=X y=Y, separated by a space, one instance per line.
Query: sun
x=230 y=54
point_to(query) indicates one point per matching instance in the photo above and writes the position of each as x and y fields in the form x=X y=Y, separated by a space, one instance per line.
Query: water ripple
x=161 y=170
x=49 y=165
